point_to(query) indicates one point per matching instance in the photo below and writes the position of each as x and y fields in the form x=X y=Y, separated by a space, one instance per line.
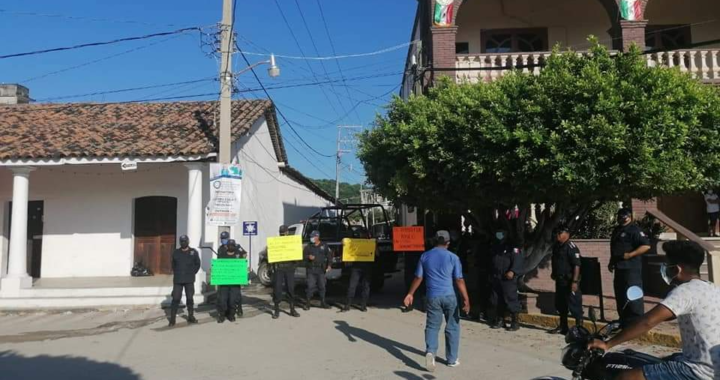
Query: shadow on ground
x=394 y=348
x=13 y=366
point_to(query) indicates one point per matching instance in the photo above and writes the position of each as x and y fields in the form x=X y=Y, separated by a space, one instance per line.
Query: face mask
x=314 y=240
x=184 y=244
x=223 y=241
x=667 y=274
x=500 y=235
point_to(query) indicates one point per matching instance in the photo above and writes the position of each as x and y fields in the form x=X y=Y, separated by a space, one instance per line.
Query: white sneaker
x=454 y=364
x=430 y=362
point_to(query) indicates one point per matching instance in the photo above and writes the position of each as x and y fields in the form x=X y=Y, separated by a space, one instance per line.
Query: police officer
x=317 y=259
x=185 y=265
x=566 y=273
x=229 y=297
x=507 y=263
x=360 y=274
x=284 y=272
x=224 y=237
x=627 y=244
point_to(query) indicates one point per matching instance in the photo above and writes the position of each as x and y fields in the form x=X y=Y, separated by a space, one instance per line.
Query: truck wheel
x=263 y=274
x=378 y=282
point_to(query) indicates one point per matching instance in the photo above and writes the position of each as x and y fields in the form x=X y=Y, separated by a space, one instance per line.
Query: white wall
x=88 y=218
x=269 y=197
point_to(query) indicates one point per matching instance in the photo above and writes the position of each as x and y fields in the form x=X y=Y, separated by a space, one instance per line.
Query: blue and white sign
x=250 y=229
x=225 y=195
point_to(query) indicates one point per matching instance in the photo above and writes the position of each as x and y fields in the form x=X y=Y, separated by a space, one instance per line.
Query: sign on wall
x=408 y=239
x=229 y=272
x=359 y=250
x=225 y=195
x=284 y=248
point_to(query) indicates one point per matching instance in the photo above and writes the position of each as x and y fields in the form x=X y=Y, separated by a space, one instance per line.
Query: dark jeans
x=316 y=281
x=629 y=311
x=566 y=301
x=229 y=299
x=189 y=293
x=437 y=308
x=362 y=277
x=286 y=276
x=504 y=297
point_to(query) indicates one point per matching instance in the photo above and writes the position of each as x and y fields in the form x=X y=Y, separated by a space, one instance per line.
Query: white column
x=195 y=215
x=17 y=277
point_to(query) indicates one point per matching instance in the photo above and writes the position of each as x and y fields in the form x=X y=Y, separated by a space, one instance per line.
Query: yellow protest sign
x=284 y=248
x=359 y=250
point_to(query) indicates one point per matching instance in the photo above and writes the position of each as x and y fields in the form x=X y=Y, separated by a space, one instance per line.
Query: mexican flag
x=631 y=10
x=443 y=12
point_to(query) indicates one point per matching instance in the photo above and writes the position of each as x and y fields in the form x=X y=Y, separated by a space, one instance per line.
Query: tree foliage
x=586 y=130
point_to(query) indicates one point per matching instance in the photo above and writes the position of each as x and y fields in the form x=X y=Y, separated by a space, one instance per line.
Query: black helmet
x=283 y=229
x=231 y=242
x=184 y=238
x=624 y=213
x=224 y=235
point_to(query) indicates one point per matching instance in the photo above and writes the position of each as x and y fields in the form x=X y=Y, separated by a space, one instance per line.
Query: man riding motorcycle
x=696 y=305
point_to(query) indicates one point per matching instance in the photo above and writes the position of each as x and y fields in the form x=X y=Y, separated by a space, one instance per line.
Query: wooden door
x=155 y=226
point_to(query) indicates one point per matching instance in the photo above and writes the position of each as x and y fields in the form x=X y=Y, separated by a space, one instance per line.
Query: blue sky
x=355 y=27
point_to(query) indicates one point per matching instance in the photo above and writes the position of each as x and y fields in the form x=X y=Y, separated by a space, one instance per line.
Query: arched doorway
x=155 y=226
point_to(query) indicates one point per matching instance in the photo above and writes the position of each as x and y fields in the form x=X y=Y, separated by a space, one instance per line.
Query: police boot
x=363 y=307
x=220 y=318
x=324 y=304
x=239 y=312
x=276 y=311
x=191 y=315
x=346 y=306
x=306 y=306
x=231 y=316
x=514 y=325
x=173 y=315
x=497 y=323
x=292 y=310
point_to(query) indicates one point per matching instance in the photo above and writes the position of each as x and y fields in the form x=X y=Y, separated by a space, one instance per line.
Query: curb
x=652 y=338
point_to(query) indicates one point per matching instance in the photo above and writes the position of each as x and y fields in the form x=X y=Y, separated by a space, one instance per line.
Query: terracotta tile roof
x=41 y=131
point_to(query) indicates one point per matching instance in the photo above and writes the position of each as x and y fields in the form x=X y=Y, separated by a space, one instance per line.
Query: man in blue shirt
x=441 y=268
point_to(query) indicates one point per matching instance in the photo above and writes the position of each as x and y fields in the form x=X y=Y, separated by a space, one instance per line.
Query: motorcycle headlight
x=572 y=354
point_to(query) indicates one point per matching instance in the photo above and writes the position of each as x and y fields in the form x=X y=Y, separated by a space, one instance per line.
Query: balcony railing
x=702 y=64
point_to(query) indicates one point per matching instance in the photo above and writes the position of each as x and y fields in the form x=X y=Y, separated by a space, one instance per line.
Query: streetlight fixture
x=274 y=70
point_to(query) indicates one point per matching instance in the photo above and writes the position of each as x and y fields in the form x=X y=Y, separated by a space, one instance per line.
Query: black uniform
x=316 y=279
x=504 y=296
x=284 y=272
x=185 y=265
x=626 y=239
x=565 y=258
x=229 y=297
x=360 y=274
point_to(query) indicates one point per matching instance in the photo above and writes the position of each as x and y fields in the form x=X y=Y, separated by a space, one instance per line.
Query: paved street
x=381 y=344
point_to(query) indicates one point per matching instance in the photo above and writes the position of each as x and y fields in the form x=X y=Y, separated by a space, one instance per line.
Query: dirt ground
x=383 y=343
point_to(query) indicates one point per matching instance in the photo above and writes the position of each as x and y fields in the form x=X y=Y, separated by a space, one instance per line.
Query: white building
x=73 y=223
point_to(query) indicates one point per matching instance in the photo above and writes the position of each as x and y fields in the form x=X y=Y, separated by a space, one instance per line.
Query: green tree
x=585 y=131
x=349 y=193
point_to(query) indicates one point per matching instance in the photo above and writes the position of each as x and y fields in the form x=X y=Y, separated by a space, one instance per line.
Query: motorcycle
x=597 y=364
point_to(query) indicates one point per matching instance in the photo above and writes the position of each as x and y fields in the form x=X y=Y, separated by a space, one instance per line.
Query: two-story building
x=474 y=40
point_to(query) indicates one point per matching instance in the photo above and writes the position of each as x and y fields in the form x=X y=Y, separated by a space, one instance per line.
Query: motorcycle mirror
x=591 y=315
x=634 y=293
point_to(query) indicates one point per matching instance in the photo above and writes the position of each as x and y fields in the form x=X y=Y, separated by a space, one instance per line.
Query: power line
x=127 y=89
x=278 y=110
x=332 y=46
x=345 y=56
x=93 y=44
x=42 y=76
x=81 y=18
x=297 y=43
x=317 y=52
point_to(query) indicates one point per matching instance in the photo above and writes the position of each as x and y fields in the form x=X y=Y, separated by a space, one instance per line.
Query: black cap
x=562 y=227
x=224 y=235
x=283 y=229
x=231 y=242
x=625 y=212
x=184 y=238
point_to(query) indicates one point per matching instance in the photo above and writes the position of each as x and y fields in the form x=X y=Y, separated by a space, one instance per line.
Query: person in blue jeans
x=441 y=268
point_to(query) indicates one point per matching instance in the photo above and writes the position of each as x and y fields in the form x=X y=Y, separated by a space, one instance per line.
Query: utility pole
x=226 y=82
x=346 y=140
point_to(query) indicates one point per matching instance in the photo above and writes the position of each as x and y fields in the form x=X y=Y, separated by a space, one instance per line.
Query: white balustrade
x=703 y=64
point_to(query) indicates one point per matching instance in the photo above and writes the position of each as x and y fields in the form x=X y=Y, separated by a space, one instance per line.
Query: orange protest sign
x=408 y=239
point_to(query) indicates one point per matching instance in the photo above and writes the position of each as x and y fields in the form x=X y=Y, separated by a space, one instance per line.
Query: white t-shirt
x=712 y=207
x=696 y=304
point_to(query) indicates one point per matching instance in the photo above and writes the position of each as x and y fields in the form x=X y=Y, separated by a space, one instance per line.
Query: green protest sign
x=229 y=272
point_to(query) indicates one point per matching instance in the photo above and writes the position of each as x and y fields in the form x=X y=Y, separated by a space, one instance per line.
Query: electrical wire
x=332 y=46
x=297 y=43
x=277 y=109
x=81 y=18
x=102 y=43
x=127 y=89
x=345 y=56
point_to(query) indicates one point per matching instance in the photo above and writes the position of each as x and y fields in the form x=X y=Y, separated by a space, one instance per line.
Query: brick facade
x=640 y=207
x=443 y=49
x=631 y=32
